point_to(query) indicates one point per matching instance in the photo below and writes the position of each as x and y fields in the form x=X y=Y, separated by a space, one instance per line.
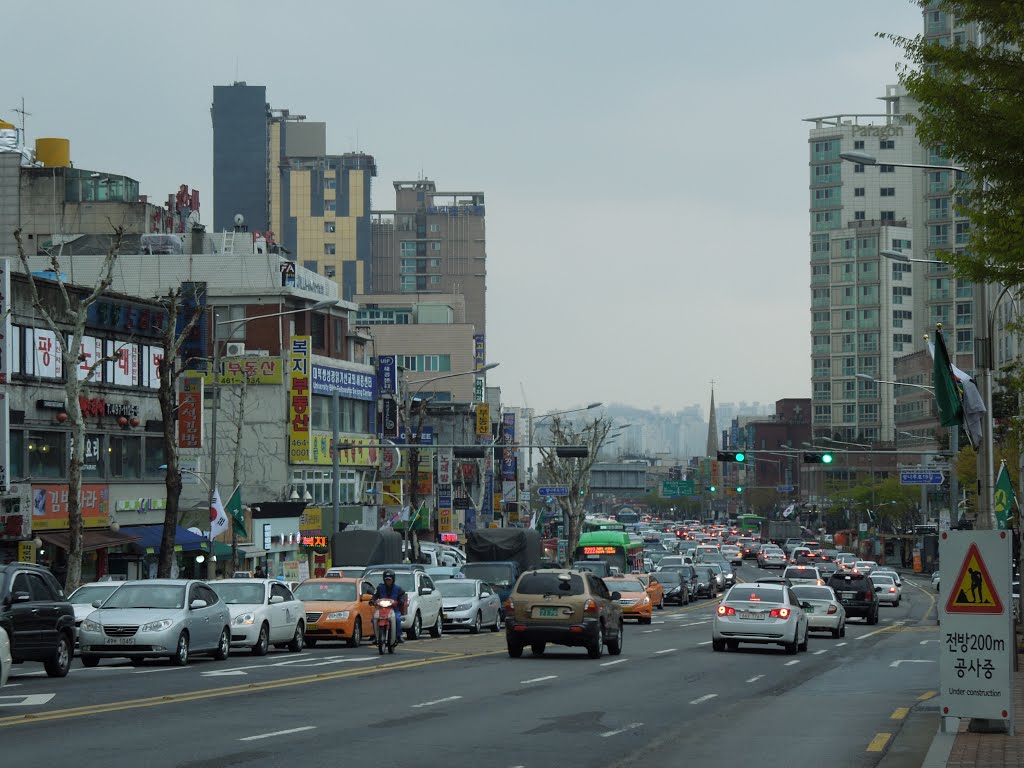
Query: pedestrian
x=258 y=573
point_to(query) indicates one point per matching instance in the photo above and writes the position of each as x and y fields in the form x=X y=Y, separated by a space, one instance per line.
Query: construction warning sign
x=973 y=590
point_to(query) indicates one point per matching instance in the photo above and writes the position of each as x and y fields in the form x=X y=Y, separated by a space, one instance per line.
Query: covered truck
x=778 y=531
x=499 y=555
x=366 y=548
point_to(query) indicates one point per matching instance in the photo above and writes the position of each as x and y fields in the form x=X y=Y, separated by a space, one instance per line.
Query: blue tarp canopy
x=150 y=536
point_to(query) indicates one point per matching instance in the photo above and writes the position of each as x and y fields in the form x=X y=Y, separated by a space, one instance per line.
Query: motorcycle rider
x=389 y=588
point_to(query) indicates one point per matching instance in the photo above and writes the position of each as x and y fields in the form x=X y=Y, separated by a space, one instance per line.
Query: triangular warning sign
x=972 y=591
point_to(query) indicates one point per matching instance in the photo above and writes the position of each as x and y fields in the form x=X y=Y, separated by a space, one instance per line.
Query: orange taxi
x=337 y=609
x=635 y=602
x=655 y=589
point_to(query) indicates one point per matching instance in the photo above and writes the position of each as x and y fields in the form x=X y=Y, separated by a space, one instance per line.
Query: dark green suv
x=857 y=595
x=39 y=620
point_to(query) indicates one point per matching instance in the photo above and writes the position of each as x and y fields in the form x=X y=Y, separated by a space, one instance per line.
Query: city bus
x=749 y=524
x=592 y=524
x=617 y=548
x=629 y=518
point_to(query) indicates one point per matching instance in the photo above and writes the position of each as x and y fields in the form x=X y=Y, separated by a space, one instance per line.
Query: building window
x=886 y=144
x=329 y=226
x=858 y=168
x=408 y=248
x=435 y=227
x=859 y=216
x=408 y=266
x=888 y=216
x=125 y=453
x=234 y=328
x=330 y=183
x=858 y=144
x=155 y=456
x=318 y=331
x=964 y=341
x=330 y=206
x=435 y=245
x=408 y=283
x=887 y=191
x=858 y=191
x=329 y=249
x=886 y=168
x=435 y=279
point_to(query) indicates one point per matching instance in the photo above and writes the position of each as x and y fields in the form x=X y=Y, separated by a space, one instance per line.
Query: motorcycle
x=382 y=620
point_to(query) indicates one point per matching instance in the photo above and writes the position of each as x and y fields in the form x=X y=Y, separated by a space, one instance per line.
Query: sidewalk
x=982 y=750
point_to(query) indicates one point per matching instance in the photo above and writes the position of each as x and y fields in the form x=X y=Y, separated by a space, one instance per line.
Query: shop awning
x=91 y=539
x=149 y=537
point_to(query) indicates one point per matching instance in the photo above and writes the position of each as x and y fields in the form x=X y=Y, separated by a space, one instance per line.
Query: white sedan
x=5 y=657
x=264 y=612
x=824 y=611
x=760 y=613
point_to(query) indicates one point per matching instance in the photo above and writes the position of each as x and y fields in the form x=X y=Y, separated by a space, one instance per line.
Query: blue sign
x=784 y=488
x=921 y=477
x=508 y=437
x=426 y=435
x=387 y=374
x=553 y=490
x=352 y=385
x=470 y=524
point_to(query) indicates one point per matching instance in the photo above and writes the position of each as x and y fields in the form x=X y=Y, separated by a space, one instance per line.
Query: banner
x=190 y=412
x=483 y=419
x=356 y=451
x=389 y=418
x=252 y=369
x=50 y=506
x=479 y=352
x=444 y=492
x=299 y=366
x=387 y=374
x=349 y=384
x=508 y=437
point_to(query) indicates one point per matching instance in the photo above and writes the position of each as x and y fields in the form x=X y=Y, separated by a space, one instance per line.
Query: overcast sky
x=644 y=163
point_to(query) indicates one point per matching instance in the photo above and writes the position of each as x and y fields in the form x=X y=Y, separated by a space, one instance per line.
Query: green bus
x=594 y=524
x=750 y=523
x=617 y=548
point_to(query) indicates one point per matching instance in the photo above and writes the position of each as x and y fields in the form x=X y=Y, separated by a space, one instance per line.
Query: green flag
x=234 y=509
x=1004 y=499
x=948 y=395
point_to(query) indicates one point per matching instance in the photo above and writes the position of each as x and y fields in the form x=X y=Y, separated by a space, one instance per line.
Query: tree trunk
x=75 y=522
x=172 y=477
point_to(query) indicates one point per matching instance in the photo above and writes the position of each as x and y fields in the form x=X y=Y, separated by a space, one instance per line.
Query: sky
x=644 y=164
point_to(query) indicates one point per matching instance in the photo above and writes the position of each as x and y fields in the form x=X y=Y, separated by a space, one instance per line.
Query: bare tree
x=72 y=310
x=170 y=370
x=574 y=472
x=236 y=469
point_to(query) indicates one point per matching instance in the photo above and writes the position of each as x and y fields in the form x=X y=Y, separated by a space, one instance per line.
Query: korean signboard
x=299 y=365
x=190 y=412
x=479 y=352
x=976 y=640
x=251 y=369
x=389 y=418
x=444 y=491
x=50 y=506
x=387 y=374
x=90 y=352
x=357 y=451
x=483 y=419
x=350 y=384
x=193 y=300
x=126 y=317
x=43 y=354
x=16 y=513
x=123 y=368
x=508 y=437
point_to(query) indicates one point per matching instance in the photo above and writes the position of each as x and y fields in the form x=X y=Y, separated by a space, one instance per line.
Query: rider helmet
x=389 y=574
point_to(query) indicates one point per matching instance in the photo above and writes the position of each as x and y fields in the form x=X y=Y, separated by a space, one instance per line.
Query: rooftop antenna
x=23 y=114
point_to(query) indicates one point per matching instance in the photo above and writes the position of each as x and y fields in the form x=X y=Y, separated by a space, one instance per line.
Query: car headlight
x=337 y=616
x=646 y=600
x=156 y=626
x=90 y=626
x=244 y=619
x=462 y=607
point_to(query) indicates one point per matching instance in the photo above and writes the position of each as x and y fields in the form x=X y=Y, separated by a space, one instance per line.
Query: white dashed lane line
x=823 y=650
x=666 y=650
x=259 y=736
x=435 y=701
x=538 y=679
x=623 y=729
x=617 y=661
x=704 y=698
x=791 y=663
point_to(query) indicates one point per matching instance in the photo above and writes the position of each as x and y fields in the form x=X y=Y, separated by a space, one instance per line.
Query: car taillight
x=779 y=613
x=892 y=589
x=509 y=607
x=833 y=609
x=726 y=610
x=591 y=608
x=868 y=595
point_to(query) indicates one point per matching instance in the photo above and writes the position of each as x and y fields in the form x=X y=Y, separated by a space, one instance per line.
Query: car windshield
x=755 y=595
x=340 y=591
x=626 y=585
x=498 y=575
x=456 y=588
x=813 y=593
x=240 y=594
x=89 y=595
x=404 y=580
x=666 y=578
x=801 y=573
x=147 y=596
x=550 y=583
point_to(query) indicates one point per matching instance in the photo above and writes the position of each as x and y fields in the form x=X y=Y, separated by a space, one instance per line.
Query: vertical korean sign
x=508 y=438
x=299 y=405
x=479 y=352
x=190 y=411
x=5 y=370
x=444 y=491
x=976 y=641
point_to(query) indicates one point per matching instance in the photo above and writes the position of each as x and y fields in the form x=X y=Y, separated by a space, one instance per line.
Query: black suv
x=39 y=620
x=857 y=594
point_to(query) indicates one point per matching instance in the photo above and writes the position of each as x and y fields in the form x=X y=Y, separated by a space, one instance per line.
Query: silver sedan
x=824 y=611
x=160 y=617
x=469 y=603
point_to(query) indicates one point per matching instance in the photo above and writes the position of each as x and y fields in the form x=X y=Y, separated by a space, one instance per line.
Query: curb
x=938 y=753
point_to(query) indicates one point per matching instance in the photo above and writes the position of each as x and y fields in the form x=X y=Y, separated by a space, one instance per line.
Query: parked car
x=565 y=607
x=38 y=619
x=82 y=599
x=5 y=657
x=857 y=595
x=263 y=613
x=173 y=618
x=469 y=604
x=337 y=609
x=424 y=609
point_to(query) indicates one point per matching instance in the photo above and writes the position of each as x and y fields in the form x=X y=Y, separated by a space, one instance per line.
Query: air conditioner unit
x=234 y=349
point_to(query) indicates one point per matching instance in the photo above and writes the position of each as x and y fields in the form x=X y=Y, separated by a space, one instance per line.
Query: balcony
x=935 y=294
x=865 y=223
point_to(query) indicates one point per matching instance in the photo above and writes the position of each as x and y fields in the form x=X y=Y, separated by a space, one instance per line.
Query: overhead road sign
x=553 y=490
x=673 y=488
x=921 y=477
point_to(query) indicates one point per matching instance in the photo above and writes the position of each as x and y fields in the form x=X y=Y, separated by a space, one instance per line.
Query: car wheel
x=791 y=648
x=474 y=629
x=223 y=646
x=615 y=644
x=842 y=630
x=298 y=641
x=596 y=649
x=310 y=642
x=661 y=605
x=537 y=649
x=438 y=629
x=59 y=664
x=718 y=645
x=357 y=634
x=497 y=622
x=90 y=661
x=645 y=619
x=417 y=627
x=180 y=657
x=873 y=618
x=732 y=645
x=262 y=642
x=515 y=650
x=836 y=631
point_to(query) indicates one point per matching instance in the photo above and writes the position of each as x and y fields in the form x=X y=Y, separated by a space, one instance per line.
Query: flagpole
x=234 y=532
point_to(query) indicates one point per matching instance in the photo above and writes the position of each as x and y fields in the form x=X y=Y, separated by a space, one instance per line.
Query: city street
x=461 y=701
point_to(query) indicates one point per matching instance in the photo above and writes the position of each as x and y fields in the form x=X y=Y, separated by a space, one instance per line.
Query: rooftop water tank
x=54 y=153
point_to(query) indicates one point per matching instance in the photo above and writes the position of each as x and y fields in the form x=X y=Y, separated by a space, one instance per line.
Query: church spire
x=712 y=450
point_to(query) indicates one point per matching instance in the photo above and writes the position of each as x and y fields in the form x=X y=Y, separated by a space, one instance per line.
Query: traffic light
x=732 y=456
x=713 y=489
x=572 y=451
x=739 y=489
x=818 y=458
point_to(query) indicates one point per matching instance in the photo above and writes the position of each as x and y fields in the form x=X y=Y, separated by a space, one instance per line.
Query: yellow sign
x=393 y=489
x=311 y=519
x=26 y=552
x=972 y=590
x=355 y=451
x=444 y=521
x=248 y=370
x=299 y=400
x=483 y=419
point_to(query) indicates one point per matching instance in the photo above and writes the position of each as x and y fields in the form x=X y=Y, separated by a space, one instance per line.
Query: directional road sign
x=673 y=488
x=784 y=488
x=921 y=477
x=553 y=490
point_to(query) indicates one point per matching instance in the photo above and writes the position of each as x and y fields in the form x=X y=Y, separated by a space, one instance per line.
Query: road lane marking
x=278 y=733
x=224 y=672
x=840 y=645
x=791 y=663
x=878 y=743
x=899 y=713
x=436 y=701
x=158 y=669
x=648 y=631
x=895 y=627
x=538 y=679
x=925 y=642
x=666 y=650
x=912 y=661
x=823 y=650
x=705 y=697
x=755 y=678
x=706 y=642
x=617 y=731
x=617 y=661
x=26 y=700
x=927 y=695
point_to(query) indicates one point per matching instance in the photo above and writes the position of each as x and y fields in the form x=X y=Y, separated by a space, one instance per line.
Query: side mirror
x=365 y=597
x=485 y=594
x=805 y=605
x=426 y=591
x=97 y=603
x=878 y=589
x=195 y=604
x=616 y=595
x=275 y=599
x=21 y=597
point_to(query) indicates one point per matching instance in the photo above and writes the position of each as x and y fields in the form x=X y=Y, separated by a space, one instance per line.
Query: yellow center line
x=927 y=695
x=931 y=599
x=878 y=743
x=230 y=690
x=899 y=713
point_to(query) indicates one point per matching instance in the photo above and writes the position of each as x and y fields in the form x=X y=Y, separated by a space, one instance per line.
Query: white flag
x=789 y=510
x=218 y=517
x=973 y=405
x=533 y=520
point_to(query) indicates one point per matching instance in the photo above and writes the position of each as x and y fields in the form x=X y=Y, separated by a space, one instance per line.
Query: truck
x=777 y=531
x=499 y=555
x=366 y=548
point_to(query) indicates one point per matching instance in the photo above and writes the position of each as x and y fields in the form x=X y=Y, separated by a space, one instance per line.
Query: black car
x=750 y=550
x=39 y=620
x=707 y=583
x=676 y=590
x=688 y=574
x=857 y=594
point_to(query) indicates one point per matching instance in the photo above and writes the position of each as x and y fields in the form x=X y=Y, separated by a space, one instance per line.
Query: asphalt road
x=460 y=701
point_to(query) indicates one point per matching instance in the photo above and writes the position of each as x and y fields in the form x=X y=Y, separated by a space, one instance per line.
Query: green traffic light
x=826 y=458
x=740 y=456
x=713 y=489
x=739 y=489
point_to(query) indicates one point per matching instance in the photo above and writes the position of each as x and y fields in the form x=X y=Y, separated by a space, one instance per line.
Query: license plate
x=751 y=616
x=120 y=641
x=547 y=613
x=311 y=627
x=847 y=595
x=809 y=610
